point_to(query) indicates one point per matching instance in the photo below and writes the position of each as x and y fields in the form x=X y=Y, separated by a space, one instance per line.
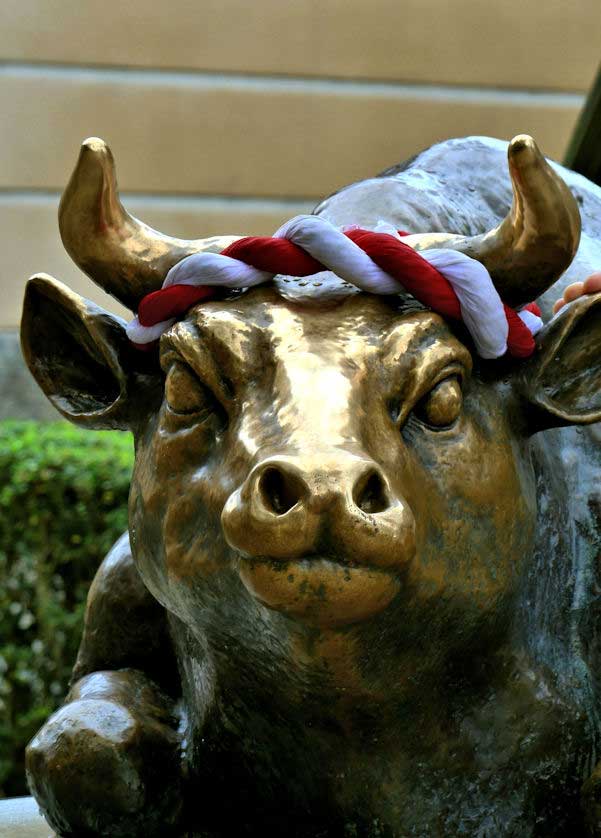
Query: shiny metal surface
x=121 y=254
x=371 y=555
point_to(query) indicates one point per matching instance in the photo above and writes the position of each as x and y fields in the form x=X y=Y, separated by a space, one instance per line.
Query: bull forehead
x=317 y=365
x=321 y=356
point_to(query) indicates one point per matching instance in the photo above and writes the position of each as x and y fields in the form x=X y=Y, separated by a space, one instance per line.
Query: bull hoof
x=95 y=769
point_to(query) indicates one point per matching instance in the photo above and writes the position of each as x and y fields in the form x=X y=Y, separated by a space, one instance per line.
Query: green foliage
x=63 y=502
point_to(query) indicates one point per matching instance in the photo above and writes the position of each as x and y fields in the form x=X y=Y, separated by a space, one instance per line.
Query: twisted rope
x=377 y=261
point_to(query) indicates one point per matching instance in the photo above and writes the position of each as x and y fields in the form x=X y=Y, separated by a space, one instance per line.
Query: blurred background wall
x=228 y=116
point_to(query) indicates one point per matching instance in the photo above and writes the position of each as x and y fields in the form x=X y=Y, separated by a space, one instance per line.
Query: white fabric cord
x=215 y=269
x=199 y=269
x=333 y=249
x=146 y=334
x=532 y=321
x=481 y=306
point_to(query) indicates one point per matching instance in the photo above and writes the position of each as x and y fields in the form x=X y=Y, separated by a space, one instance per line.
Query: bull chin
x=317 y=591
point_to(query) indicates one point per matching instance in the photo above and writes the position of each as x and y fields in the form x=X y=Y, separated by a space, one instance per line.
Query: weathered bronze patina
x=361 y=596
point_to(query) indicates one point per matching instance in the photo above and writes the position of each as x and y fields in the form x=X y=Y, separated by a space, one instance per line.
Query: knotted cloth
x=377 y=261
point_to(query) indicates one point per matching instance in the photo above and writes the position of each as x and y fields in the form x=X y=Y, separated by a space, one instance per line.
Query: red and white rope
x=376 y=261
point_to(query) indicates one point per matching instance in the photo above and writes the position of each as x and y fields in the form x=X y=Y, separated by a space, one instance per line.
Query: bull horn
x=537 y=240
x=124 y=256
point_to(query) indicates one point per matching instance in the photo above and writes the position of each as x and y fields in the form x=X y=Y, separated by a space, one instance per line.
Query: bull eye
x=188 y=398
x=441 y=407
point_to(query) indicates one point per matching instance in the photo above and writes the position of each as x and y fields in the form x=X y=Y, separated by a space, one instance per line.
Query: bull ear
x=80 y=356
x=562 y=381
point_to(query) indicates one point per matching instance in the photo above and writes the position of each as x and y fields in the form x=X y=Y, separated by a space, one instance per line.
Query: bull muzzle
x=289 y=509
x=323 y=538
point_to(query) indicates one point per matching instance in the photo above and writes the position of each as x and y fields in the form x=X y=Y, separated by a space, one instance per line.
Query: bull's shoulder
x=125 y=626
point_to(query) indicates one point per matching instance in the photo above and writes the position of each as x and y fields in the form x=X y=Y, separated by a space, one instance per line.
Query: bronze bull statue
x=362 y=591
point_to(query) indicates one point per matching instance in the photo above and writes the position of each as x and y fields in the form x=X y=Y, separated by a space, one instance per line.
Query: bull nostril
x=280 y=491
x=370 y=493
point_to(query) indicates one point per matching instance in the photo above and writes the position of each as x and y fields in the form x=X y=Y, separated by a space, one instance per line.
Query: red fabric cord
x=430 y=287
x=280 y=256
x=277 y=256
x=171 y=302
x=416 y=275
x=520 y=340
x=534 y=308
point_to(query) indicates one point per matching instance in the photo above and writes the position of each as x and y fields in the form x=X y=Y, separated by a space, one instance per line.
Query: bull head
x=335 y=459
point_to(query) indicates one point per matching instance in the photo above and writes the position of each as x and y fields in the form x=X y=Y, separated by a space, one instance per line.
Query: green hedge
x=63 y=502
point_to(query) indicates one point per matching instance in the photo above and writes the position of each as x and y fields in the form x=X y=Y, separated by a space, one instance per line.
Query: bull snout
x=339 y=507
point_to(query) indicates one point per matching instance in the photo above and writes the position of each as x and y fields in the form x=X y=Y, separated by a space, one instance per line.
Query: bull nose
x=279 y=486
x=288 y=508
x=369 y=492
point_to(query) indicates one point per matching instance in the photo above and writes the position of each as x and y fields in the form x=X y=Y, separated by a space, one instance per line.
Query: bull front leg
x=108 y=762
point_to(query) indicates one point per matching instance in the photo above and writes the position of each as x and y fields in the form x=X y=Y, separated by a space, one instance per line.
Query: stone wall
x=20 y=397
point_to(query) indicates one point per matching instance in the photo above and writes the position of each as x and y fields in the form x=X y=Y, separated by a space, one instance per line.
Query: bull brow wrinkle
x=418 y=356
x=198 y=357
x=213 y=355
x=420 y=339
